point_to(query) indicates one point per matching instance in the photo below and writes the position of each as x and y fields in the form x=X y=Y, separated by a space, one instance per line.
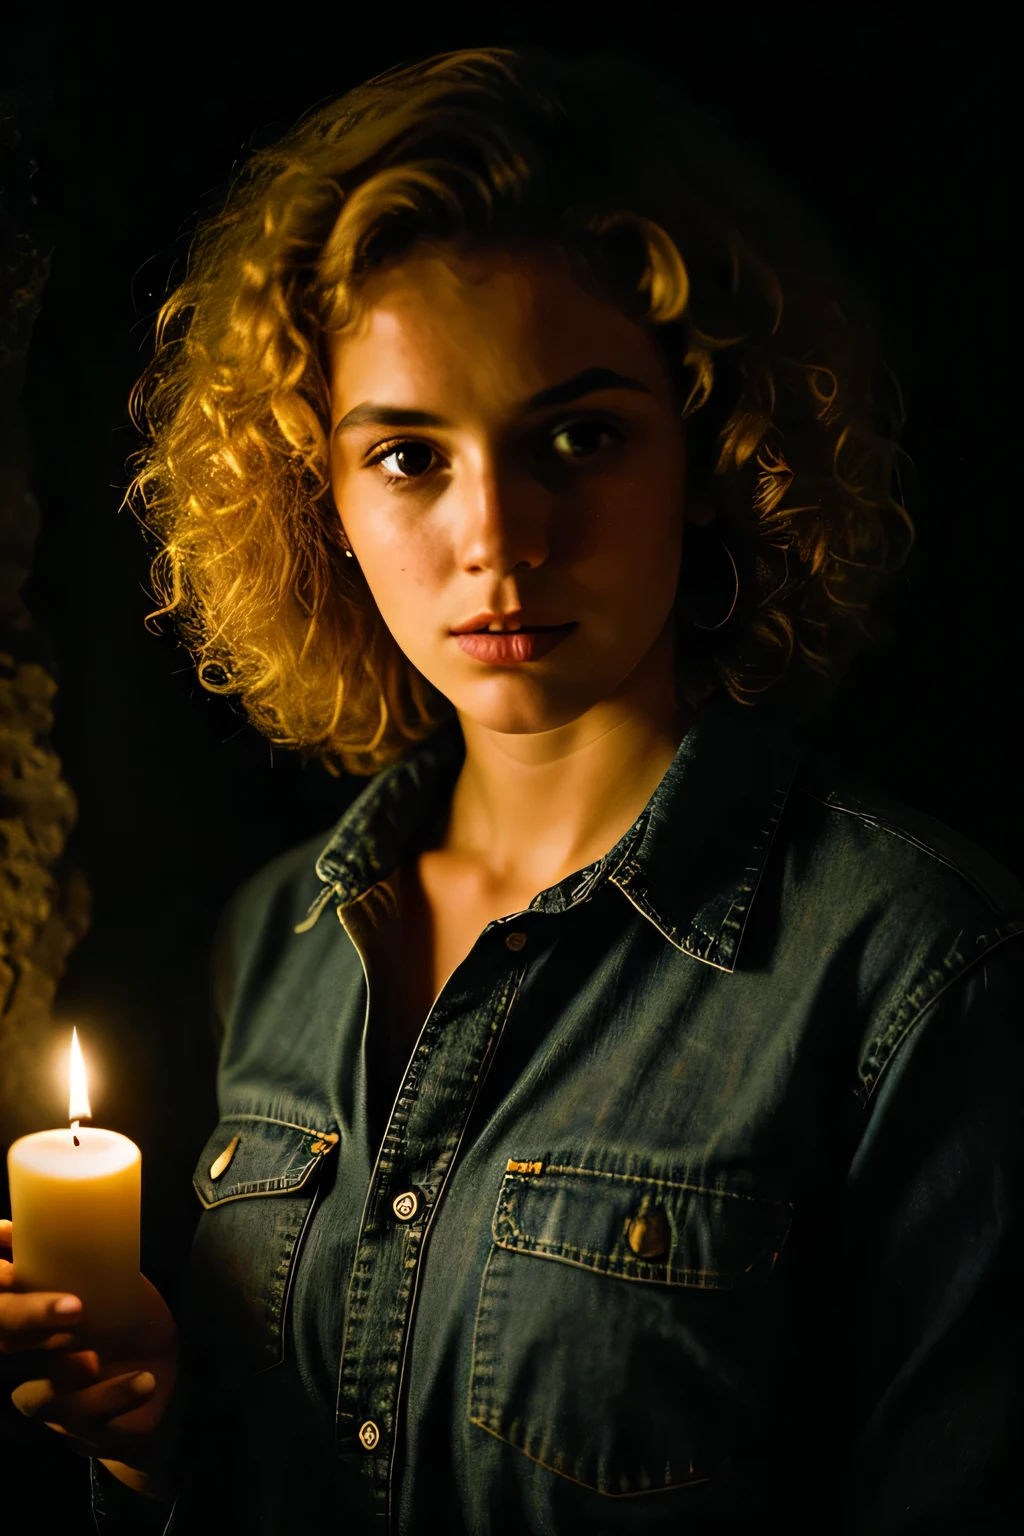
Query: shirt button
x=649 y=1235
x=369 y=1434
x=515 y=941
x=406 y=1205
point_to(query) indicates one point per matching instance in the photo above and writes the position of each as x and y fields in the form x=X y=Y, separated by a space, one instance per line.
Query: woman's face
x=565 y=512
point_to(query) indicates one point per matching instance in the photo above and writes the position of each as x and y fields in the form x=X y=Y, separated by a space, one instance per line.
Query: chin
x=522 y=706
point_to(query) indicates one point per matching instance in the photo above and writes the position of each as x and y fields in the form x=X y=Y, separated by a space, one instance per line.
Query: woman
x=615 y=1122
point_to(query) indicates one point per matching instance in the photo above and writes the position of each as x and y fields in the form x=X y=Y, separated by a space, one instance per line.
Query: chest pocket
x=257 y=1180
x=629 y=1329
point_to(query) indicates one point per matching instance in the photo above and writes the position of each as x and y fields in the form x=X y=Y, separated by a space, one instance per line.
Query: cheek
x=395 y=560
x=633 y=529
x=403 y=572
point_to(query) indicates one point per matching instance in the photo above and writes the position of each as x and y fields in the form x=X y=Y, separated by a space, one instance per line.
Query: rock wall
x=44 y=902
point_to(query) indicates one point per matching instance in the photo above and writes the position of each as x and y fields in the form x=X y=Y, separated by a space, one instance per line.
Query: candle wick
x=74 y=1128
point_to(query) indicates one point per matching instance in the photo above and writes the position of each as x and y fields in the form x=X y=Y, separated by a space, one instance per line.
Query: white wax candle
x=76 y=1220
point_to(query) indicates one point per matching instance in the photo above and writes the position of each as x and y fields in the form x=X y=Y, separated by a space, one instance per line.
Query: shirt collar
x=690 y=863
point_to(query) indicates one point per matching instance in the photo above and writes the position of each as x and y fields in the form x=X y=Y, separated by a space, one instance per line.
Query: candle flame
x=78 y=1103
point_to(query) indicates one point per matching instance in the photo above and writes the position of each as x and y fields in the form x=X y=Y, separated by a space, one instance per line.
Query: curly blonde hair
x=792 y=415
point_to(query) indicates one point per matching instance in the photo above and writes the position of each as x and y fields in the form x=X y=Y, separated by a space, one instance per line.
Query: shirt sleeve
x=118 y=1510
x=931 y=1220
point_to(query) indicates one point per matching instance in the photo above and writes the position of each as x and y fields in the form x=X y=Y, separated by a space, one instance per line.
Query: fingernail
x=66 y=1305
x=143 y=1383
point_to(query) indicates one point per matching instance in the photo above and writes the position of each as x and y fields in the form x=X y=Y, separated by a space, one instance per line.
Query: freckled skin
x=513 y=513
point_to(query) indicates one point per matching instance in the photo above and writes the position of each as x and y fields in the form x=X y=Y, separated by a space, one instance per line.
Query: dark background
x=900 y=136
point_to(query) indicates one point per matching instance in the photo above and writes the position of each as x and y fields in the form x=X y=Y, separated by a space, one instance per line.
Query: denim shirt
x=694 y=1204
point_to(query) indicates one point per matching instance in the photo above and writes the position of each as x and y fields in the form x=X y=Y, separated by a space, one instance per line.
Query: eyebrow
x=586 y=383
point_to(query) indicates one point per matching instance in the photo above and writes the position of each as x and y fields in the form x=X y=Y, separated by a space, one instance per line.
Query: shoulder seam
x=915 y=1005
x=997 y=906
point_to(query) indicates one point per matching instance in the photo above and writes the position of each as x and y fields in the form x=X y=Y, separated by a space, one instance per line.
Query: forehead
x=521 y=310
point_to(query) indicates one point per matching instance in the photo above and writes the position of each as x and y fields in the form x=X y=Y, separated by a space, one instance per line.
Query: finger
x=86 y=1412
x=38 y=1311
x=69 y=1372
x=26 y=1323
x=81 y=1444
x=29 y=1319
x=51 y=1342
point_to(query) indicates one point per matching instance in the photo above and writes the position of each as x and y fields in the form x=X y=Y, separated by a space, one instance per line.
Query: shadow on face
x=506 y=448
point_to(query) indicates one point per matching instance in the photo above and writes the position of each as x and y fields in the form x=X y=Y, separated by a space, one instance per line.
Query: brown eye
x=402 y=453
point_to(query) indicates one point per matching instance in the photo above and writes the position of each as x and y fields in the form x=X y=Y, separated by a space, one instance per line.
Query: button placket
x=384 y=1277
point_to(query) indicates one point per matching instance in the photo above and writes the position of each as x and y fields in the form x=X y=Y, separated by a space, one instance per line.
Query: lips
x=514 y=646
x=513 y=620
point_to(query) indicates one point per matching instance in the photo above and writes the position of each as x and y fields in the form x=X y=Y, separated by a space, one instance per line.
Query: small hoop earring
x=736 y=576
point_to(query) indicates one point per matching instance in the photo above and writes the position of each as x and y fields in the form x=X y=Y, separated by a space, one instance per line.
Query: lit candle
x=75 y=1204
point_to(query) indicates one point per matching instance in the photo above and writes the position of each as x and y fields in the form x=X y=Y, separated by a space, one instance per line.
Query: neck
x=530 y=809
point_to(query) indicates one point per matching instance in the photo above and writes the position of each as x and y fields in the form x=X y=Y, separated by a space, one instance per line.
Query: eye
x=587 y=429
x=412 y=458
x=401 y=450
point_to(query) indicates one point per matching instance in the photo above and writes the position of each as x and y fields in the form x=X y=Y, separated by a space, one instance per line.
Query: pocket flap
x=641 y=1227
x=251 y=1155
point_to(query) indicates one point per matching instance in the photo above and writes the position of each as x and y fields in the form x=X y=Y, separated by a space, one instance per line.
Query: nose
x=502 y=523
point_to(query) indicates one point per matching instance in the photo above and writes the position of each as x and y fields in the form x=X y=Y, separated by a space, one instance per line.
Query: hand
x=110 y=1406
